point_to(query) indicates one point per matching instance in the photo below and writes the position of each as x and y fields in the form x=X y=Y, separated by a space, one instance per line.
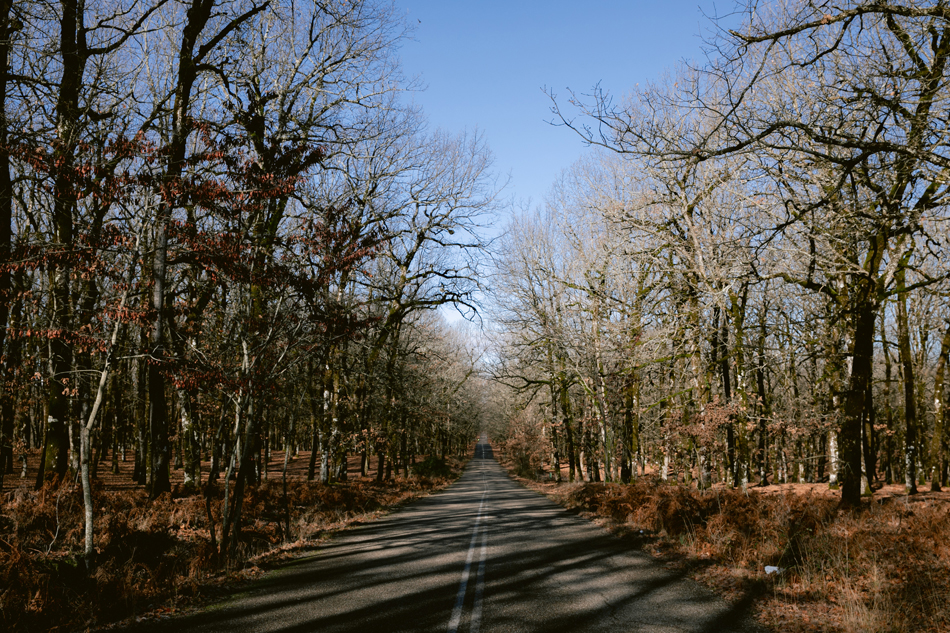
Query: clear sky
x=485 y=64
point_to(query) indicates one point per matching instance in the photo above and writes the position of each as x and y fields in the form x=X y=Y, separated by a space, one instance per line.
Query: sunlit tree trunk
x=740 y=464
x=939 y=441
x=910 y=398
x=862 y=353
x=555 y=439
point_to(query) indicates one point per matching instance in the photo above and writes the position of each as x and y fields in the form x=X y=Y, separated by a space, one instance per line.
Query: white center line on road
x=463 y=585
x=479 y=584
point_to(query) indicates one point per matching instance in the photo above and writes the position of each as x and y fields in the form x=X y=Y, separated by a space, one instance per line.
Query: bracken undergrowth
x=882 y=567
x=158 y=552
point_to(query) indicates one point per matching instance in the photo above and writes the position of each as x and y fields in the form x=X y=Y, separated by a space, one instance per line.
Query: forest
x=228 y=239
x=733 y=312
x=225 y=231
x=748 y=282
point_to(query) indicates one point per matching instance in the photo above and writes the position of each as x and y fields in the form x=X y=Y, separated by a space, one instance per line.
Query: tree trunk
x=888 y=409
x=90 y=415
x=939 y=441
x=190 y=449
x=849 y=435
x=741 y=462
x=7 y=412
x=868 y=439
x=720 y=360
x=763 y=404
x=68 y=115
x=631 y=428
x=9 y=396
x=573 y=458
x=910 y=398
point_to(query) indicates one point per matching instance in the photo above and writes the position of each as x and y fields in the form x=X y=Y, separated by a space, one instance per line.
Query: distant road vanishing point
x=483 y=555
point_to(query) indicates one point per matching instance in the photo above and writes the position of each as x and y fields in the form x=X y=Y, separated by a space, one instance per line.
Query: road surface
x=484 y=555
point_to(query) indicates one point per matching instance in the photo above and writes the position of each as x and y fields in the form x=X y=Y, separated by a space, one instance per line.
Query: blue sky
x=485 y=63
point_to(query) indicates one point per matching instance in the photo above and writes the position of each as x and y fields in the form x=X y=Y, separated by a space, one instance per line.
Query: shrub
x=432 y=467
x=525 y=446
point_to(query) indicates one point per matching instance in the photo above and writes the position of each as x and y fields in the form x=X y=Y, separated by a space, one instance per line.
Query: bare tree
x=848 y=98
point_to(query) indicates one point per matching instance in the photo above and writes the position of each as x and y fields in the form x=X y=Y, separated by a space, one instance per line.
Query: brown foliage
x=885 y=567
x=153 y=551
x=525 y=446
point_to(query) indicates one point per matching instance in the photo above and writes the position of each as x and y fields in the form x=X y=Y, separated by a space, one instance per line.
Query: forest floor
x=117 y=474
x=155 y=558
x=883 y=567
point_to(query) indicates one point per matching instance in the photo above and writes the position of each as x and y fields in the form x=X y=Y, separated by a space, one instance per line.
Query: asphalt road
x=484 y=555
